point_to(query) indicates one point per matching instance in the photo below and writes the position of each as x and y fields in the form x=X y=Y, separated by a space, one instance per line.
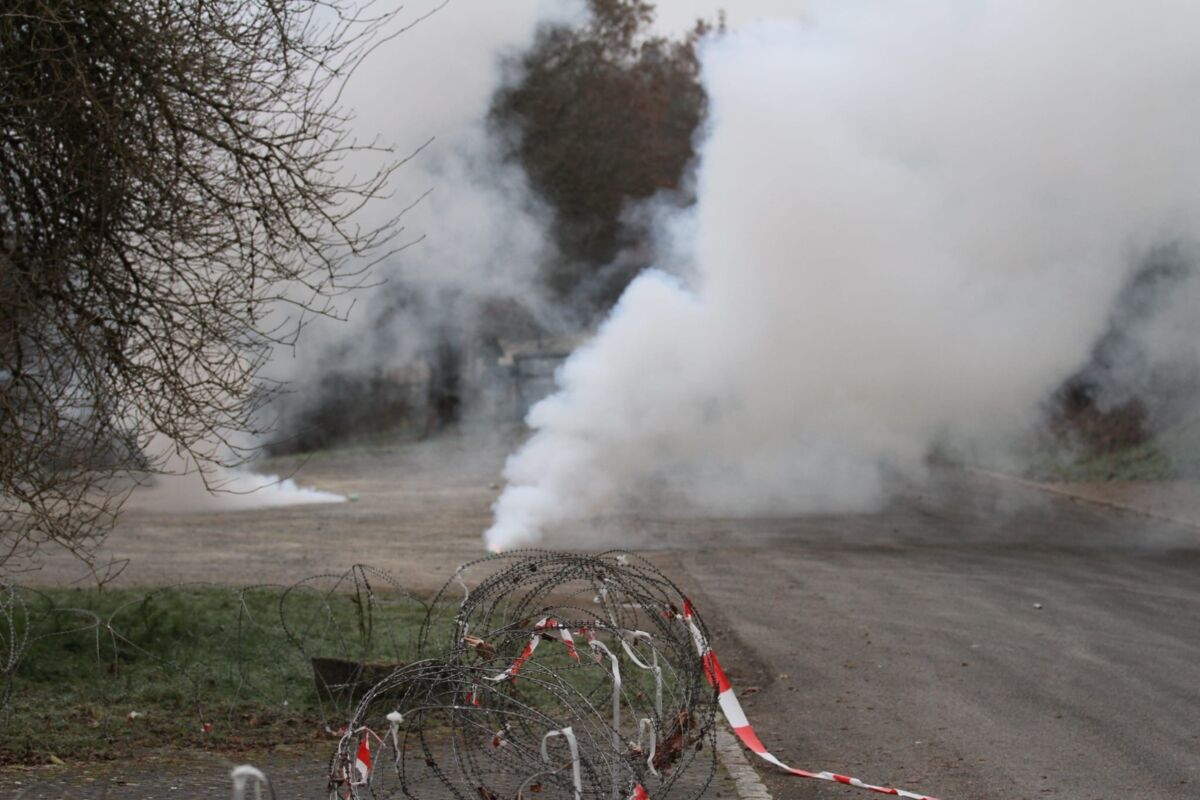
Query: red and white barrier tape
x=733 y=712
x=726 y=698
x=590 y=635
x=542 y=628
x=362 y=762
x=352 y=775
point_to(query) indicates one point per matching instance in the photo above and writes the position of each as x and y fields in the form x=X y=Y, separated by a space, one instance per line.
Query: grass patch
x=1171 y=455
x=103 y=674
x=97 y=675
x=1143 y=462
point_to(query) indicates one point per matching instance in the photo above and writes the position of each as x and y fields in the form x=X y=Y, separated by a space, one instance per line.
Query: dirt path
x=420 y=511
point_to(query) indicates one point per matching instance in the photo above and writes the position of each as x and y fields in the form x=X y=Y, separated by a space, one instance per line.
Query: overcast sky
x=677 y=15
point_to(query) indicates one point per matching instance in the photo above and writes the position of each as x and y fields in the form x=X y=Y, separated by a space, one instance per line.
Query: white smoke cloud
x=230 y=490
x=483 y=230
x=480 y=231
x=181 y=484
x=914 y=217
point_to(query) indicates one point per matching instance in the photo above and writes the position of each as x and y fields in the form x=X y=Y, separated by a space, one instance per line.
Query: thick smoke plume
x=476 y=234
x=914 y=221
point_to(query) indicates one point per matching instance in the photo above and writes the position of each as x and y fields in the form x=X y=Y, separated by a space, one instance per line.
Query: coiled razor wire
x=14 y=637
x=561 y=673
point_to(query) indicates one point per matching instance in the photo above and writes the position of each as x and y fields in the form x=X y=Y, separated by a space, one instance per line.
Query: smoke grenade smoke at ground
x=913 y=221
x=182 y=485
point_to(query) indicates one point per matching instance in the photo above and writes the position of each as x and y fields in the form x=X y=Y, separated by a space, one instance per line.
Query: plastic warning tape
x=544 y=627
x=733 y=712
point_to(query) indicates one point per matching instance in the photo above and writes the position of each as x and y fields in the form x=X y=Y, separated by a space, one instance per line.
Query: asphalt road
x=905 y=646
x=971 y=641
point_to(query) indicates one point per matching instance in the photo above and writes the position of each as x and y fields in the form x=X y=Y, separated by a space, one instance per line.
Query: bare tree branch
x=171 y=176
